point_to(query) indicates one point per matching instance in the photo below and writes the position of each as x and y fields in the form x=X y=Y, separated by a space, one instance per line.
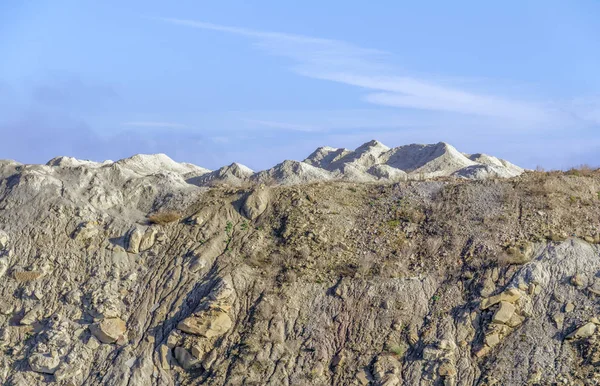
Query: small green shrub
x=393 y=223
x=398 y=349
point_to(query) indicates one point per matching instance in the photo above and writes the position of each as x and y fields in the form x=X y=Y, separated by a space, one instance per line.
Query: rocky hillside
x=128 y=273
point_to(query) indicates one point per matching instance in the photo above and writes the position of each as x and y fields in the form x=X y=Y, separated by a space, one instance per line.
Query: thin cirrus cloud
x=344 y=63
x=152 y=124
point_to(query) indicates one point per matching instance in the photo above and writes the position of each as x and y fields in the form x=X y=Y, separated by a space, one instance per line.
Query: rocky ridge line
x=370 y=162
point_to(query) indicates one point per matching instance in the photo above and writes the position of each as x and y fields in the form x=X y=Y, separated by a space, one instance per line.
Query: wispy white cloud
x=342 y=62
x=152 y=124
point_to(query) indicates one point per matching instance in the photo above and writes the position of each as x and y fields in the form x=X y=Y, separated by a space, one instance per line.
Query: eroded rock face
x=256 y=203
x=413 y=283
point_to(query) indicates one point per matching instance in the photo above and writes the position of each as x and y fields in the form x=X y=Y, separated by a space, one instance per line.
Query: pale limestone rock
x=489 y=286
x=582 y=332
x=577 y=280
x=70 y=372
x=504 y=313
x=148 y=239
x=165 y=357
x=184 y=358
x=363 y=378
x=198 y=351
x=4 y=240
x=93 y=343
x=86 y=231
x=208 y=323
x=174 y=339
x=30 y=317
x=432 y=353
x=209 y=360
x=515 y=320
x=511 y=296
x=3 y=266
x=223 y=290
x=523 y=287
x=413 y=336
x=133 y=240
x=447 y=369
x=197 y=264
x=109 y=330
x=44 y=363
x=483 y=351
x=446 y=344
x=492 y=340
x=569 y=307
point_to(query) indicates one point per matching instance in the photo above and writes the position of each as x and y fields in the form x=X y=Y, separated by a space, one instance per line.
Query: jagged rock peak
x=74 y=162
x=292 y=172
x=372 y=145
x=233 y=174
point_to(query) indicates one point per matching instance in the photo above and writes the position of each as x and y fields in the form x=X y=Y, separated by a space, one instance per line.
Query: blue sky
x=217 y=82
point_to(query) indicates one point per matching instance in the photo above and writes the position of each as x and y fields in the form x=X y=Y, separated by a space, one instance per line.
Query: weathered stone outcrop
x=434 y=282
x=256 y=203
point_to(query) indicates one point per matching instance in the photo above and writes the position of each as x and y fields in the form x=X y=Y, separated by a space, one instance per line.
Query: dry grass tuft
x=581 y=170
x=27 y=276
x=163 y=218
